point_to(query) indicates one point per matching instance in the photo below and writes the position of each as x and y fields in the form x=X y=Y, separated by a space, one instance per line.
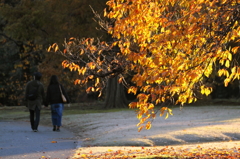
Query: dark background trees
x=27 y=28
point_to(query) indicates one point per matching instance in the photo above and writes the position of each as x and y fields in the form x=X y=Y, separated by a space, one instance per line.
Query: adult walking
x=54 y=98
x=34 y=97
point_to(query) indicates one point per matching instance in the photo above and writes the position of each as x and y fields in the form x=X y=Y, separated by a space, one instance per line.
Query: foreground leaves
x=166 y=152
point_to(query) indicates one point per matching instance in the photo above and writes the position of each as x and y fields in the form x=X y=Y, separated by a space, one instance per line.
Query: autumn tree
x=170 y=45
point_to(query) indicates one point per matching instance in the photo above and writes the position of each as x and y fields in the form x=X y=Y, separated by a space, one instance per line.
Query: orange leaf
x=148 y=126
x=140 y=128
x=90 y=76
x=133 y=105
x=120 y=80
x=72 y=38
x=235 y=49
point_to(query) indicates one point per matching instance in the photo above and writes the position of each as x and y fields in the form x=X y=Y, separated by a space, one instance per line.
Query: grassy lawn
x=21 y=112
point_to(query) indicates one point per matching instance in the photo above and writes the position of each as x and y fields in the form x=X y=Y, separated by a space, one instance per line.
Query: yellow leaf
x=221 y=61
x=49 y=49
x=132 y=90
x=229 y=56
x=227 y=64
x=163 y=99
x=100 y=94
x=151 y=106
x=162 y=110
x=98 y=89
x=224 y=1
x=53 y=141
x=226 y=81
x=84 y=70
x=148 y=126
x=83 y=155
x=166 y=116
x=105 y=12
x=170 y=111
x=139 y=116
x=157 y=101
x=223 y=72
x=162 y=29
x=97 y=82
x=81 y=52
x=190 y=100
x=56 y=48
x=233 y=70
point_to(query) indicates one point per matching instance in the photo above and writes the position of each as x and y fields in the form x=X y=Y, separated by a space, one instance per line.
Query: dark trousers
x=34 y=118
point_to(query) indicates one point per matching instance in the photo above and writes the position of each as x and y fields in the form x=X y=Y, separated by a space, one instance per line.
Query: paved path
x=186 y=126
x=17 y=141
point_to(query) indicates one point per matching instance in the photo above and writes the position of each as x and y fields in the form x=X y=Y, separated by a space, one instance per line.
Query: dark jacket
x=54 y=94
x=40 y=98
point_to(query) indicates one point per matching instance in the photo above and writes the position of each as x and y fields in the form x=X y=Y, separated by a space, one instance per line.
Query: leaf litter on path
x=219 y=150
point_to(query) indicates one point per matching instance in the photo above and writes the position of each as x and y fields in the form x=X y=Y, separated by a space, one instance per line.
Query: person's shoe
x=58 y=129
x=35 y=130
x=54 y=128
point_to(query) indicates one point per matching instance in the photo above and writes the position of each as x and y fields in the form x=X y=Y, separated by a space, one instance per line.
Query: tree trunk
x=115 y=95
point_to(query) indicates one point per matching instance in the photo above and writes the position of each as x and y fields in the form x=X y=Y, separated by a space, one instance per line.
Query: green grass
x=78 y=111
x=21 y=112
x=87 y=108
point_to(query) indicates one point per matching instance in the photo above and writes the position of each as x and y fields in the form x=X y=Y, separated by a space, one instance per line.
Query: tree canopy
x=169 y=46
